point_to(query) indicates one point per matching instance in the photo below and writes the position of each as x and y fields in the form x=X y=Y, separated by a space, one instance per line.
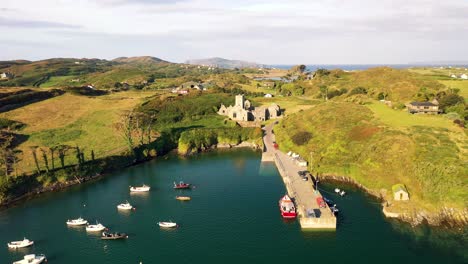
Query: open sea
x=352 y=67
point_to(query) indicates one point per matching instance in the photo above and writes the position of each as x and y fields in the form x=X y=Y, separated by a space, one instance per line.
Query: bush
x=10 y=124
x=459 y=109
x=358 y=90
x=301 y=138
x=459 y=123
x=334 y=93
x=291 y=89
x=450 y=100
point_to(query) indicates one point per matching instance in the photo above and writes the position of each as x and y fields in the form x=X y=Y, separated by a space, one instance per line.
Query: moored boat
x=21 y=244
x=183 y=198
x=143 y=188
x=77 y=222
x=113 y=236
x=95 y=228
x=167 y=224
x=125 y=206
x=181 y=185
x=287 y=208
x=31 y=259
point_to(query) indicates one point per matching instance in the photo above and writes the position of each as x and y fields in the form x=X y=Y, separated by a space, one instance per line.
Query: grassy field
x=290 y=104
x=459 y=84
x=403 y=119
x=59 y=81
x=87 y=122
x=438 y=73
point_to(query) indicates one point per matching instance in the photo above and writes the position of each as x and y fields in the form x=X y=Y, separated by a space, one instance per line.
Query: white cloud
x=275 y=31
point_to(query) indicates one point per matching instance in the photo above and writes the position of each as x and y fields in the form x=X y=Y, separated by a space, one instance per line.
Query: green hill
x=398 y=85
x=135 y=71
x=350 y=140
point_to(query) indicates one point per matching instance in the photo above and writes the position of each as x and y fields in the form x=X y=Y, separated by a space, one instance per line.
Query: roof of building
x=399 y=187
x=422 y=104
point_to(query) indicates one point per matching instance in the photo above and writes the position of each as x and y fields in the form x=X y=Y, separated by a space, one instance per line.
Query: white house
x=6 y=75
x=464 y=77
x=453 y=76
x=400 y=193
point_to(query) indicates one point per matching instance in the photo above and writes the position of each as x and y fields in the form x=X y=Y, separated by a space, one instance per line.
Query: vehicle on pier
x=287 y=208
x=321 y=203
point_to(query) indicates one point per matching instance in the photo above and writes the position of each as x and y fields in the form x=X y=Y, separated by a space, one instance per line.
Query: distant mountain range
x=140 y=60
x=224 y=63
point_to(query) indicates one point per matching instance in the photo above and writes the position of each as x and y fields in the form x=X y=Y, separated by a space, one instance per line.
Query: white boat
x=77 y=222
x=98 y=227
x=143 y=188
x=167 y=224
x=31 y=259
x=337 y=190
x=342 y=193
x=20 y=244
x=125 y=206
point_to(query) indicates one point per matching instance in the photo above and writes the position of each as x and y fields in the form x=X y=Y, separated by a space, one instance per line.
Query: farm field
x=87 y=122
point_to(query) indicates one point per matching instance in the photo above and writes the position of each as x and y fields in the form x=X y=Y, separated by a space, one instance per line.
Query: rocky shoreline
x=243 y=144
x=59 y=186
x=449 y=217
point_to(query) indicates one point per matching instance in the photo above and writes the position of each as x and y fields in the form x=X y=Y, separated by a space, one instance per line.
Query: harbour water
x=233 y=217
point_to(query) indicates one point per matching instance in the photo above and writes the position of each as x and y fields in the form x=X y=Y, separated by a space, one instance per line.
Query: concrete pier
x=302 y=191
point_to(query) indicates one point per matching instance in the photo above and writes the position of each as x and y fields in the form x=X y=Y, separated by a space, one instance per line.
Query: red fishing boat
x=181 y=185
x=287 y=208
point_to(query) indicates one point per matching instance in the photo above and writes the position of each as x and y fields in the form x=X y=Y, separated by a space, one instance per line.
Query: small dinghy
x=31 y=259
x=167 y=224
x=144 y=188
x=337 y=190
x=125 y=206
x=113 y=236
x=95 y=228
x=181 y=185
x=77 y=222
x=20 y=244
x=183 y=198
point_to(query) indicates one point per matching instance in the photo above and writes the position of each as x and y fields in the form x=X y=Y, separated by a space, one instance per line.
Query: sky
x=268 y=32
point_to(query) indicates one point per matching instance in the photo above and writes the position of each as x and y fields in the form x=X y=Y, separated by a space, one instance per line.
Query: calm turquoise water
x=233 y=217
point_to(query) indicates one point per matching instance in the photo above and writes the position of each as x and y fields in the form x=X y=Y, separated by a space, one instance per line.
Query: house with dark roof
x=423 y=107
